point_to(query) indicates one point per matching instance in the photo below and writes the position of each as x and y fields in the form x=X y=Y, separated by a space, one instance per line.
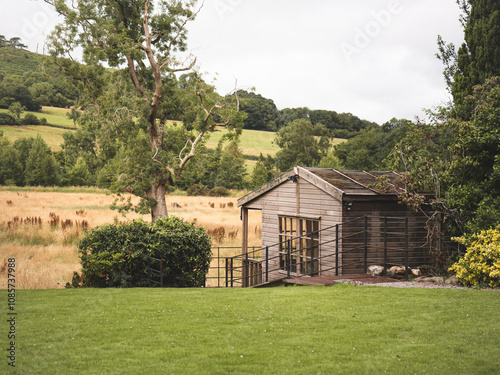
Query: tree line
x=14 y=42
x=262 y=114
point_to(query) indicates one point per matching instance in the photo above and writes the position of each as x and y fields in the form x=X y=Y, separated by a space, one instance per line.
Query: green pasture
x=55 y=116
x=252 y=142
x=52 y=136
x=295 y=330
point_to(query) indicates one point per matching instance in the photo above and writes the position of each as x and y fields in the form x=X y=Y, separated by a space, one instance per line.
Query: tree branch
x=133 y=75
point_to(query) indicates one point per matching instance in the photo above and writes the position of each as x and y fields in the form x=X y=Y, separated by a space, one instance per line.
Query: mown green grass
x=295 y=330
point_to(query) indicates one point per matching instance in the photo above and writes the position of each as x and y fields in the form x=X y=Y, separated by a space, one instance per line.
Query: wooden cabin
x=333 y=222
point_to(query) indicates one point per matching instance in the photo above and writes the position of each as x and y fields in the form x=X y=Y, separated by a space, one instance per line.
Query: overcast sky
x=372 y=58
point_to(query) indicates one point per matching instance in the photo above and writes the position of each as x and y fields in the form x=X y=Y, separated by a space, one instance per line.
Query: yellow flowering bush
x=481 y=262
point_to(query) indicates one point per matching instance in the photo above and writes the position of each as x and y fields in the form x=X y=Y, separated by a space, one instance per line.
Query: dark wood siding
x=385 y=239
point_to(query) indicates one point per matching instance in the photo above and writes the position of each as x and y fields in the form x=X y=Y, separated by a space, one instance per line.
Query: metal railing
x=350 y=247
x=157 y=272
x=217 y=273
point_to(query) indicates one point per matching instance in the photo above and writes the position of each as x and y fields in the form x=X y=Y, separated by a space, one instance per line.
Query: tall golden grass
x=46 y=256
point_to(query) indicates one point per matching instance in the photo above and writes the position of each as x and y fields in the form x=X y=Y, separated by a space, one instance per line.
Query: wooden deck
x=332 y=280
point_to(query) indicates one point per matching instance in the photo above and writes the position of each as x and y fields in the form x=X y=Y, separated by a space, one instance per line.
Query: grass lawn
x=296 y=330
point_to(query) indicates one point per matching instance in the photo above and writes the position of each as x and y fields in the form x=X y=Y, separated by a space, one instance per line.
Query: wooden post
x=406 y=248
x=267 y=264
x=244 y=245
x=336 y=249
x=366 y=245
x=244 y=230
x=385 y=243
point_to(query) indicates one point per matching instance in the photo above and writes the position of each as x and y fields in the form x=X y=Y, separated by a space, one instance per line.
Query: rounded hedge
x=114 y=255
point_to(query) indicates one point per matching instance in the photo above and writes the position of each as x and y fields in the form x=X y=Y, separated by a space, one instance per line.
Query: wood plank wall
x=312 y=203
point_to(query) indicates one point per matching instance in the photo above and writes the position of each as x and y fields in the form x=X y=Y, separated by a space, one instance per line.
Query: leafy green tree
x=16 y=109
x=23 y=147
x=132 y=105
x=15 y=42
x=264 y=171
x=42 y=92
x=79 y=175
x=231 y=169
x=30 y=119
x=262 y=113
x=13 y=89
x=74 y=115
x=41 y=167
x=358 y=152
x=288 y=115
x=222 y=167
x=301 y=143
x=11 y=171
x=478 y=58
x=371 y=147
x=330 y=161
x=459 y=161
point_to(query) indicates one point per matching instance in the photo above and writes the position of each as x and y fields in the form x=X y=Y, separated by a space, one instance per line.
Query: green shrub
x=219 y=191
x=197 y=190
x=30 y=119
x=481 y=263
x=184 y=249
x=8 y=119
x=113 y=255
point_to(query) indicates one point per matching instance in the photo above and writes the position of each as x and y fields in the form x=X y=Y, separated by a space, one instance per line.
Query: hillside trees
x=13 y=89
x=371 y=147
x=262 y=113
x=130 y=116
x=341 y=125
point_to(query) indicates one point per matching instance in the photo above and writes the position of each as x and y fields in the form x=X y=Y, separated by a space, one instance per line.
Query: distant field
x=57 y=116
x=253 y=142
x=54 y=116
x=52 y=136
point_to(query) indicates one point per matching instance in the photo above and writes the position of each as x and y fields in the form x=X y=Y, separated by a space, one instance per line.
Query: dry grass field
x=41 y=230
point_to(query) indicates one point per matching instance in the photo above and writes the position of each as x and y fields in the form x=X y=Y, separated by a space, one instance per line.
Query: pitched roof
x=335 y=182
